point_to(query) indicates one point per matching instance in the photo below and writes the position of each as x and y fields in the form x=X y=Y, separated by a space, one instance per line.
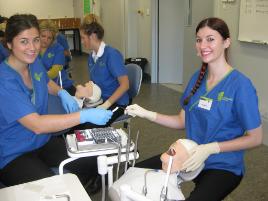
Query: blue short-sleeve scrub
x=3 y=53
x=16 y=102
x=62 y=40
x=105 y=73
x=54 y=55
x=231 y=110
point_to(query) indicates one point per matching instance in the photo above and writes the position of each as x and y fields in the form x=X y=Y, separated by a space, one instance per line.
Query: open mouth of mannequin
x=171 y=151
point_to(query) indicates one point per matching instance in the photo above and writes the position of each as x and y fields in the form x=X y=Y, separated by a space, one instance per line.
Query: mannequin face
x=180 y=155
x=84 y=91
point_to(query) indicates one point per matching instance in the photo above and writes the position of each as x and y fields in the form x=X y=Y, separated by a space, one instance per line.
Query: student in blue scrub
x=52 y=56
x=219 y=112
x=62 y=40
x=3 y=21
x=27 y=149
x=105 y=66
x=3 y=51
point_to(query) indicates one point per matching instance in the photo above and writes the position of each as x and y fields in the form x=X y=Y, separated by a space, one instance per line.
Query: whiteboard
x=253 y=21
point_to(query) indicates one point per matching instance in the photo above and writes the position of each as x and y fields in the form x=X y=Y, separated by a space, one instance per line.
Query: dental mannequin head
x=135 y=177
x=90 y=91
x=180 y=151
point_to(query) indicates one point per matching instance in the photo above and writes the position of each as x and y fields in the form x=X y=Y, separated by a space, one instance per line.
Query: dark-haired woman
x=219 y=112
x=27 y=149
x=106 y=67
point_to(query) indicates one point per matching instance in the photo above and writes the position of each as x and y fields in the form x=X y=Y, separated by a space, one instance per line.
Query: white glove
x=136 y=110
x=199 y=154
x=105 y=105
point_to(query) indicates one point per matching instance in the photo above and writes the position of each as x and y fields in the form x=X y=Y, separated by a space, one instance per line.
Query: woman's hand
x=136 y=110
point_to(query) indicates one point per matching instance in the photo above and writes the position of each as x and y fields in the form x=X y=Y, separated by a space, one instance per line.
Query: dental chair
x=127 y=194
x=141 y=184
x=135 y=78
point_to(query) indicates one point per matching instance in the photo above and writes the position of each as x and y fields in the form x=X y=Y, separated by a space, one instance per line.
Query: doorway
x=170 y=41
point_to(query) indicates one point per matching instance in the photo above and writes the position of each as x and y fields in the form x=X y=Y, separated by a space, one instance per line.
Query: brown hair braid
x=201 y=76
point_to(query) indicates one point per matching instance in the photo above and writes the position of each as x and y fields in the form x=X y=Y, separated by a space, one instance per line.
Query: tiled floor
x=155 y=139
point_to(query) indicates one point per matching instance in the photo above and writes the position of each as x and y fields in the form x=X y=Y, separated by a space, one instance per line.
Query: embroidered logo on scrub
x=38 y=76
x=101 y=63
x=50 y=55
x=221 y=97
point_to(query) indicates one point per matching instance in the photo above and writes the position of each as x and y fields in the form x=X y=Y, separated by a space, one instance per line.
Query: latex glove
x=199 y=154
x=105 y=105
x=136 y=110
x=54 y=71
x=68 y=102
x=95 y=115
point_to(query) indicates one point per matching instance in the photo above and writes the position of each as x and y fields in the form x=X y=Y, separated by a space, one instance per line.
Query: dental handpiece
x=115 y=109
x=119 y=159
x=127 y=148
x=136 y=148
x=163 y=195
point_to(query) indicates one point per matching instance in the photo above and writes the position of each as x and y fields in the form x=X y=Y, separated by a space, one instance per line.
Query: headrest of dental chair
x=91 y=101
x=155 y=179
x=96 y=94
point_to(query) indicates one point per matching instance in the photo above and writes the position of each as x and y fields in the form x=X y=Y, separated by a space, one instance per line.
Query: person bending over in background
x=62 y=40
x=52 y=56
x=28 y=150
x=219 y=112
x=3 y=49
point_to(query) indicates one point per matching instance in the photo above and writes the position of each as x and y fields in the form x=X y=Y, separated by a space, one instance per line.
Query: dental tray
x=96 y=140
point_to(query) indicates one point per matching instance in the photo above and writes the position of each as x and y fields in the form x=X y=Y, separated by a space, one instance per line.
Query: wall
x=171 y=38
x=249 y=58
x=191 y=63
x=138 y=30
x=112 y=17
x=145 y=38
x=40 y=8
x=127 y=30
x=78 y=8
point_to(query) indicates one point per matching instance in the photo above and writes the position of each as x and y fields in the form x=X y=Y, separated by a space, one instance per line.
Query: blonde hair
x=49 y=25
x=89 y=18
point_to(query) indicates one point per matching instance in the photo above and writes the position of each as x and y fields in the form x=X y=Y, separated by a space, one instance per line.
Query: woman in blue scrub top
x=62 y=40
x=3 y=52
x=219 y=112
x=105 y=66
x=52 y=56
x=27 y=149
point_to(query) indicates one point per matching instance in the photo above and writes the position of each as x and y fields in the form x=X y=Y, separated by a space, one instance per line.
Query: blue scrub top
x=234 y=110
x=54 y=55
x=62 y=40
x=17 y=101
x=3 y=53
x=105 y=72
